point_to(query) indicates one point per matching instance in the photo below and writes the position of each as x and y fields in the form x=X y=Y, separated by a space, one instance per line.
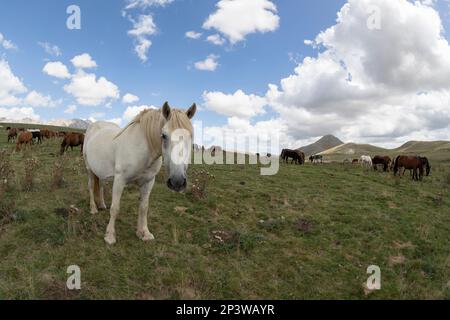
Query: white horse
x=134 y=155
x=366 y=161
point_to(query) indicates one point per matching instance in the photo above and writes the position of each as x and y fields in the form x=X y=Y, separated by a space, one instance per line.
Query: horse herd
x=417 y=165
x=27 y=137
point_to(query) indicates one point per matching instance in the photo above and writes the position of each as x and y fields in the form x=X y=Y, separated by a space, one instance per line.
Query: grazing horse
x=316 y=158
x=355 y=161
x=24 y=138
x=366 y=161
x=37 y=137
x=12 y=134
x=426 y=164
x=385 y=161
x=135 y=155
x=296 y=155
x=72 y=140
x=411 y=163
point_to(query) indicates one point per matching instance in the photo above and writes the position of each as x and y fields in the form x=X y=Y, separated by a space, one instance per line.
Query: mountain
x=434 y=150
x=74 y=123
x=324 y=143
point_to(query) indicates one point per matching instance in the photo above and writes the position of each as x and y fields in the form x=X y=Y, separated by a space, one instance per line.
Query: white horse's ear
x=166 y=110
x=191 y=112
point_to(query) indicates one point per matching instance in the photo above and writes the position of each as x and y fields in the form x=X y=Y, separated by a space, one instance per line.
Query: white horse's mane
x=152 y=121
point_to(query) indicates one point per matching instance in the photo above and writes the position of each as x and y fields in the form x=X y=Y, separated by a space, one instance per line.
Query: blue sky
x=169 y=73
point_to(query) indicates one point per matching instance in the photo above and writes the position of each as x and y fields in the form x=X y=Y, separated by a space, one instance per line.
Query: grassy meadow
x=309 y=232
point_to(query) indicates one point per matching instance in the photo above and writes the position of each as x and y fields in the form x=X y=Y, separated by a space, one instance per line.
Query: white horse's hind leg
x=102 y=204
x=142 y=227
x=118 y=187
x=91 y=183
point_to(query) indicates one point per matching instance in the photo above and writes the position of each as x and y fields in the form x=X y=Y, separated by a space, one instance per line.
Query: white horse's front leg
x=119 y=185
x=142 y=227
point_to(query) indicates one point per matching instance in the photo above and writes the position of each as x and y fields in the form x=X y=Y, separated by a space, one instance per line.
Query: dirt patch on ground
x=304 y=225
x=396 y=260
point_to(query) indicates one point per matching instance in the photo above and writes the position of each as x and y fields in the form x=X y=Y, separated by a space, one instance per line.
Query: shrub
x=31 y=166
x=200 y=180
x=6 y=171
x=58 y=173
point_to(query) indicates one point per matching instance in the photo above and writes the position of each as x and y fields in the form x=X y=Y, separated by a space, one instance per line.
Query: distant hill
x=435 y=150
x=324 y=143
x=73 y=123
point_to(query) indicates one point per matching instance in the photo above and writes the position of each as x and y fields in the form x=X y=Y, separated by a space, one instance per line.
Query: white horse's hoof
x=145 y=235
x=110 y=239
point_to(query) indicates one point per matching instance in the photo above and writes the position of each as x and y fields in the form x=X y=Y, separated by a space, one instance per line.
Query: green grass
x=309 y=232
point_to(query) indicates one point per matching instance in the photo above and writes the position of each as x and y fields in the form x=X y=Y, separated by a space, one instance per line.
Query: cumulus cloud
x=83 y=61
x=133 y=111
x=56 y=69
x=216 y=39
x=6 y=44
x=238 y=104
x=383 y=86
x=71 y=109
x=51 y=49
x=193 y=35
x=36 y=99
x=129 y=98
x=90 y=91
x=146 y=3
x=371 y=85
x=254 y=16
x=209 y=64
x=17 y=114
x=10 y=86
x=142 y=29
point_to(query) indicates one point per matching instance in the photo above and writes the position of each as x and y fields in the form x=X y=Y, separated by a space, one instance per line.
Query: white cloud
x=146 y=3
x=10 y=86
x=117 y=121
x=193 y=35
x=142 y=29
x=129 y=98
x=133 y=111
x=371 y=85
x=238 y=105
x=6 y=44
x=51 y=49
x=253 y=16
x=84 y=61
x=209 y=64
x=36 y=99
x=71 y=109
x=88 y=90
x=56 y=69
x=216 y=39
x=17 y=114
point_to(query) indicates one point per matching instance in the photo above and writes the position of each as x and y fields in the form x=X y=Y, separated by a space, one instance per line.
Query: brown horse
x=409 y=163
x=385 y=161
x=24 y=138
x=72 y=140
x=12 y=134
x=296 y=155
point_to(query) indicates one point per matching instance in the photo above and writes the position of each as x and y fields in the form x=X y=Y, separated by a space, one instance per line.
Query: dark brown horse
x=409 y=163
x=12 y=134
x=24 y=138
x=296 y=155
x=385 y=161
x=72 y=140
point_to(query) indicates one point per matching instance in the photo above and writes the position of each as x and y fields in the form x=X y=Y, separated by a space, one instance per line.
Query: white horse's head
x=177 y=145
